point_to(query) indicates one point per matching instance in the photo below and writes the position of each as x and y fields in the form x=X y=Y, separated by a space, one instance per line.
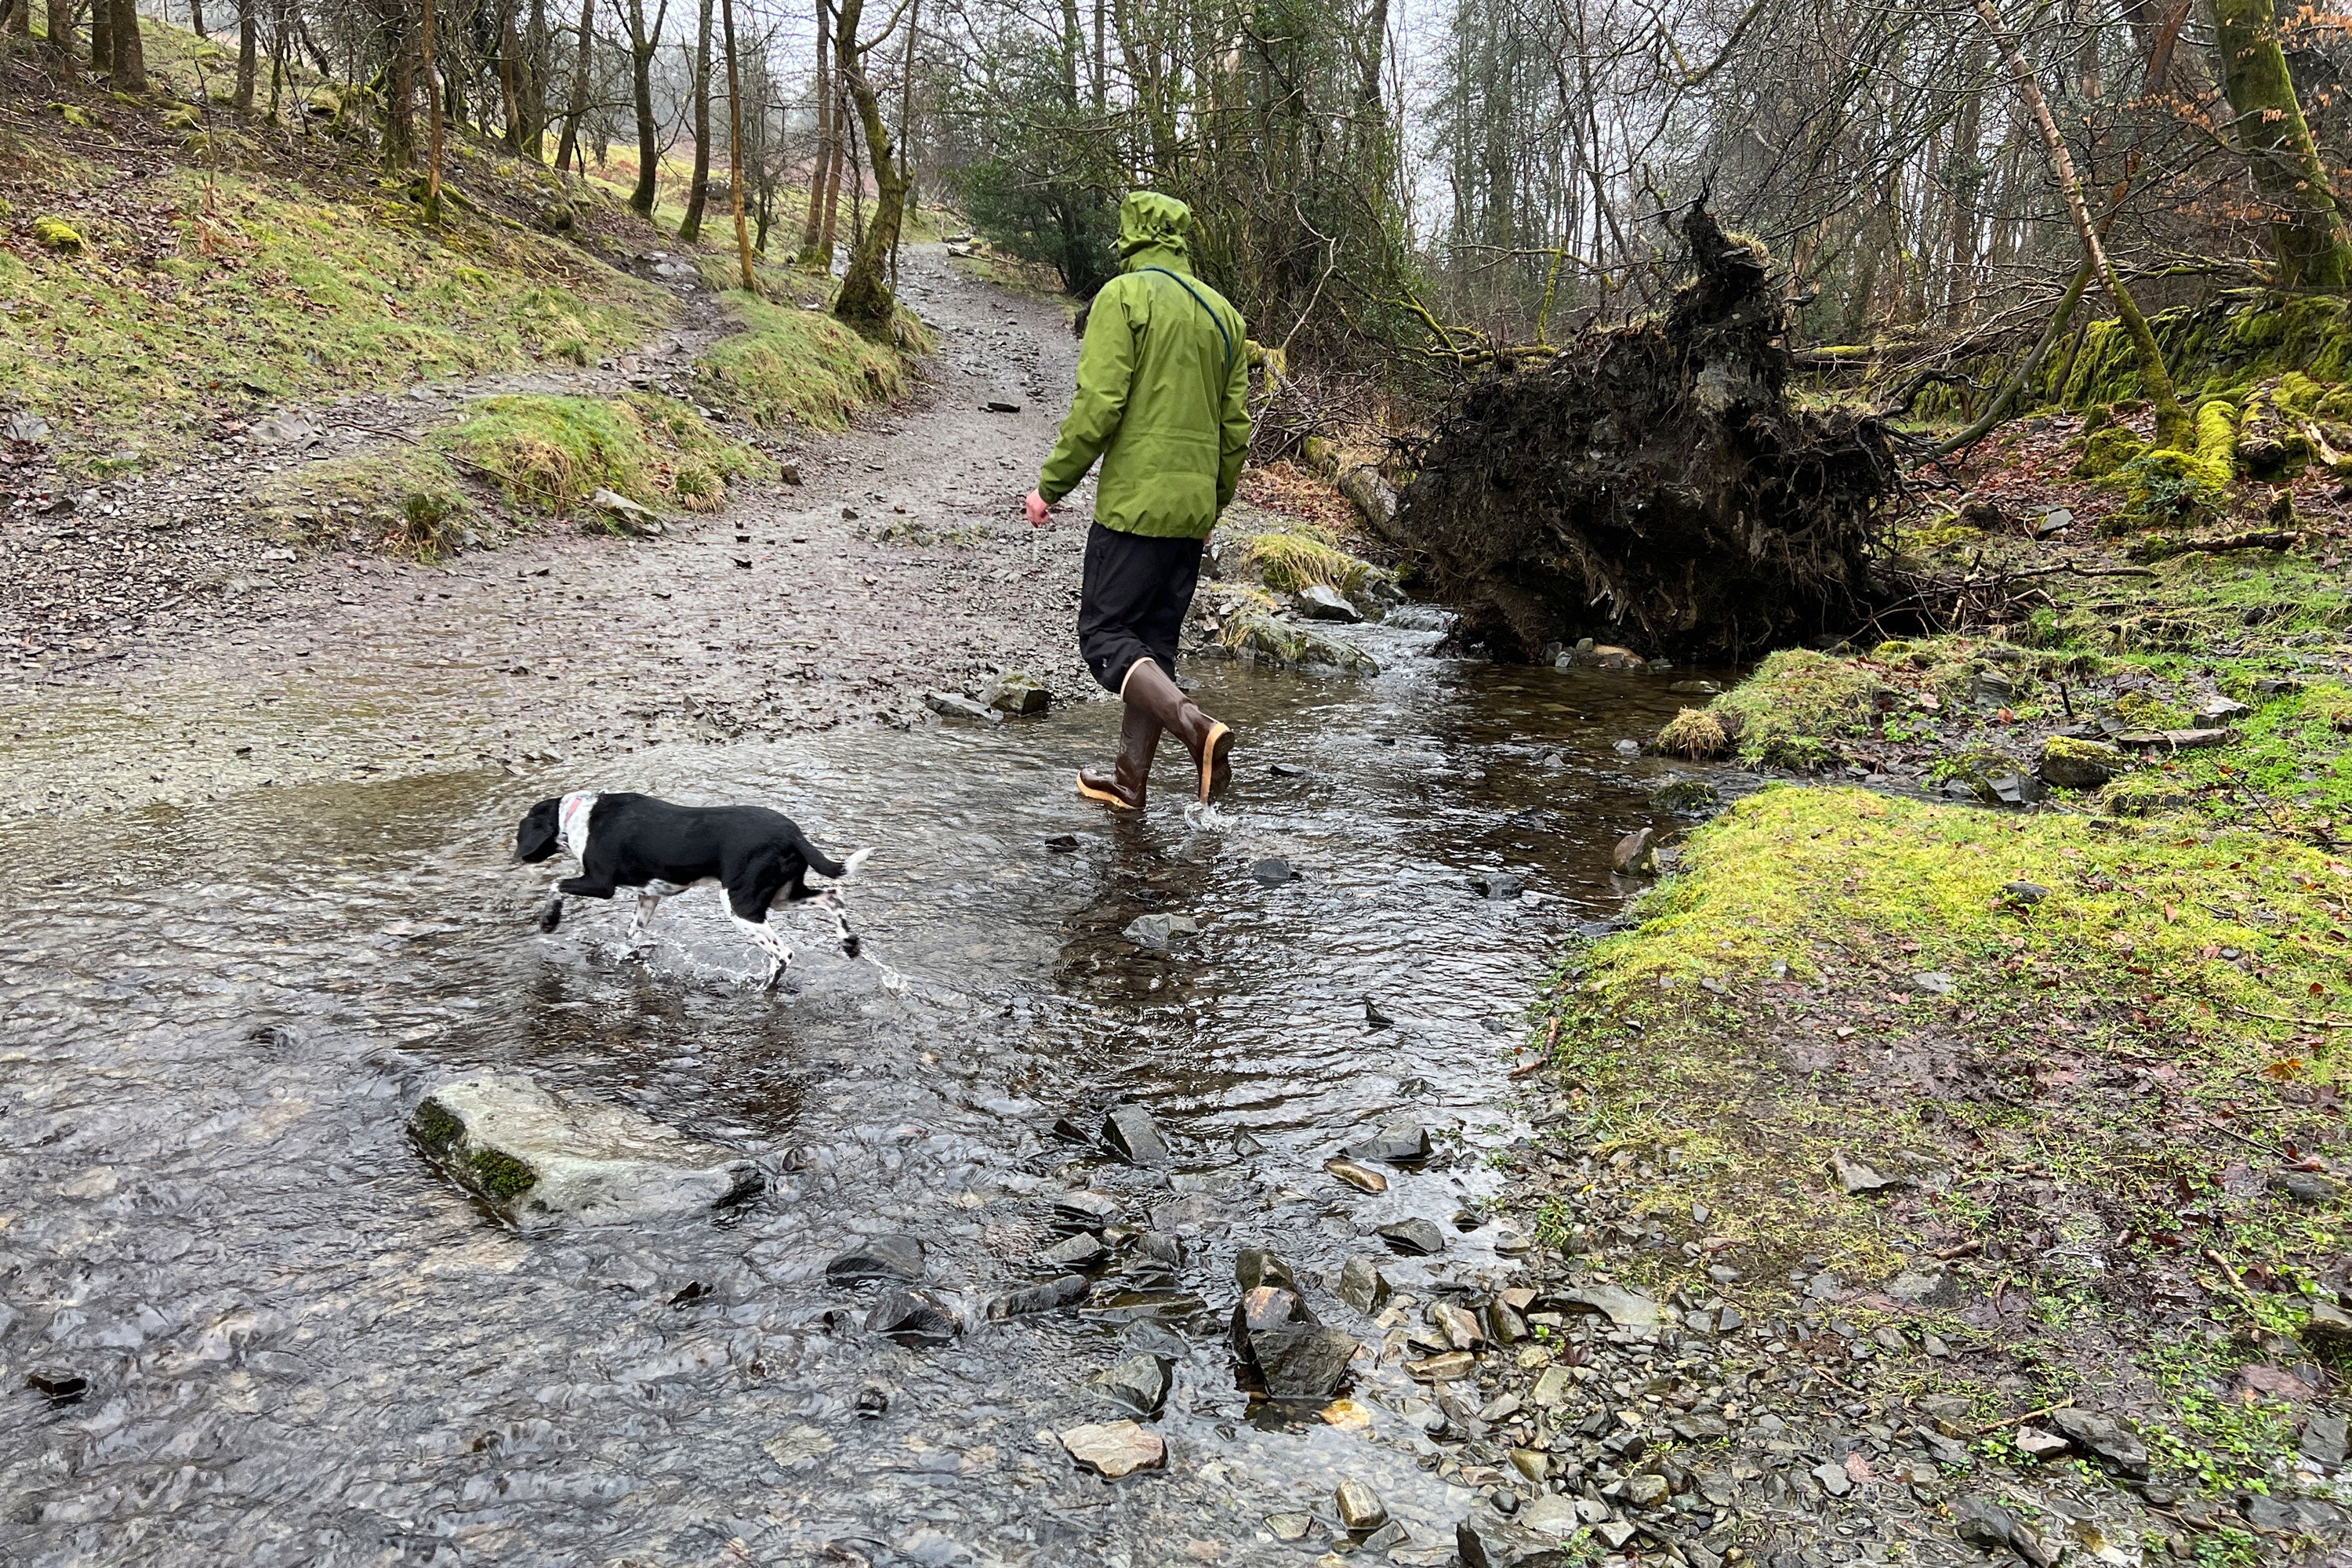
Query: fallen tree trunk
x=1654 y=483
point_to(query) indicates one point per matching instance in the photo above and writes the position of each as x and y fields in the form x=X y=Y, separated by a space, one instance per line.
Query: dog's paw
x=551 y=916
x=851 y=947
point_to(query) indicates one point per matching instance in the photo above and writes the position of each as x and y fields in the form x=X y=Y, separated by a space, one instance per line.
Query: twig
x=1965 y=1249
x=2290 y=1018
x=2020 y=1420
x=2231 y=1276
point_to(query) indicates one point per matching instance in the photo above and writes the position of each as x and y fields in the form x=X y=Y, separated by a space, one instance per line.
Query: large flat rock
x=544 y=1157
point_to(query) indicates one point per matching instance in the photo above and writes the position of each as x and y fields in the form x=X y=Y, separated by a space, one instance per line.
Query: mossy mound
x=2072 y=763
x=1795 y=703
x=56 y=234
x=1696 y=733
x=790 y=366
x=549 y=453
x=2106 y=450
x=2219 y=348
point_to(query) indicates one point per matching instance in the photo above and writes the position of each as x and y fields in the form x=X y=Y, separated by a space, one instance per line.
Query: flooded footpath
x=244 y=1319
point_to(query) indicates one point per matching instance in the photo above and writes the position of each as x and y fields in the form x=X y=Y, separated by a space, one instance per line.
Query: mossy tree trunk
x=61 y=31
x=642 y=45
x=735 y=149
x=433 y=132
x=568 y=144
x=130 y=63
x=248 y=53
x=866 y=297
x=2173 y=428
x=810 y=255
x=698 y=190
x=2307 y=233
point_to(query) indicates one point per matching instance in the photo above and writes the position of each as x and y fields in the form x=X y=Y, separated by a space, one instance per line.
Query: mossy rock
x=1991 y=776
x=1795 y=702
x=2143 y=795
x=2072 y=764
x=1690 y=796
x=182 y=117
x=1795 y=754
x=2166 y=487
x=78 y=117
x=2106 y=450
x=1255 y=637
x=56 y=234
x=2142 y=712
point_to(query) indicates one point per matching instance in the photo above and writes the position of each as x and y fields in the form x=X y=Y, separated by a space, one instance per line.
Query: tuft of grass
x=548 y=454
x=1695 y=733
x=1795 y=702
x=405 y=500
x=1287 y=561
x=788 y=366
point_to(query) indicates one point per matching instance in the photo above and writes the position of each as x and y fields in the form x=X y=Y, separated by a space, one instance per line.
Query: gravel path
x=161 y=654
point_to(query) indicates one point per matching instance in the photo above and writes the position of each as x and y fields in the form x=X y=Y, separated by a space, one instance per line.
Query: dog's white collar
x=571 y=821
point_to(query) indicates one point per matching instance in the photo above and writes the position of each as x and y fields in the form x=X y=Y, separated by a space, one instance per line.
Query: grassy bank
x=2042 y=1096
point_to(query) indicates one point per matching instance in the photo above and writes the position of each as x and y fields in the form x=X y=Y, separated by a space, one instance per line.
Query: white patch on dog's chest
x=571 y=822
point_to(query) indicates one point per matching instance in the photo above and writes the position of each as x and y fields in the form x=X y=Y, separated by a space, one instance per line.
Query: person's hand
x=1039 y=512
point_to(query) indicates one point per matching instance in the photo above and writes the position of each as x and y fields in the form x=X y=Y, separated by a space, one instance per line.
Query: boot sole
x=1115 y=802
x=1215 y=771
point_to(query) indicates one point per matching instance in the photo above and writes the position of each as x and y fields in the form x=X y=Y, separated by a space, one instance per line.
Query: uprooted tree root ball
x=1655 y=481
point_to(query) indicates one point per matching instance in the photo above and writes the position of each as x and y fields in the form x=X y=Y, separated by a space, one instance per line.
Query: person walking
x=1162 y=400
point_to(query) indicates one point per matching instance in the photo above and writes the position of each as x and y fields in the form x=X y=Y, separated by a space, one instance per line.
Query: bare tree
x=698 y=190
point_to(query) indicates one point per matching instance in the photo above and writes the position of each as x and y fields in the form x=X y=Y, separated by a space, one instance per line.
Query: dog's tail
x=824 y=865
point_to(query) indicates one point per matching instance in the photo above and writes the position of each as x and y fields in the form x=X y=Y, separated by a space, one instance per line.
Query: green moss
x=400 y=499
x=2142 y=712
x=1251 y=633
x=499 y=1178
x=56 y=234
x=1695 y=733
x=1288 y=561
x=787 y=366
x=435 y=1128
x=265 y=282
x=2105 y=451
x=549 y=453
x=1795 y=702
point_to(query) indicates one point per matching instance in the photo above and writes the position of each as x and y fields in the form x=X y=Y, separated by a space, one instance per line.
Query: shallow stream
x=303 y=1345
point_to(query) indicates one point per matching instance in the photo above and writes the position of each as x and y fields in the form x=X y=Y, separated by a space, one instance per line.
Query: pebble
x=1402 y=1141
x=62 y=1384
x=911 y=1318
x=1362 y=1285
x=1361 y=1177
x=1274 y=872
x=1359 y=1507
x=1115 y=1448
x=1140 y=1383
x=1050 y=1296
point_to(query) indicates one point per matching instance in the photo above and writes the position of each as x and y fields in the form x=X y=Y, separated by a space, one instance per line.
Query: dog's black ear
x=536 y=839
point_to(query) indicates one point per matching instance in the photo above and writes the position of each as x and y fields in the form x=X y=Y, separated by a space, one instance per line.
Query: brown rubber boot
x=1151 y=688
x=1122 y=787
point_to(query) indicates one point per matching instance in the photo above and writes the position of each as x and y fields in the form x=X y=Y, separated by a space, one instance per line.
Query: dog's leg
x=768 y=939
x=646 y=904
x=849 y=939
x=552 y=915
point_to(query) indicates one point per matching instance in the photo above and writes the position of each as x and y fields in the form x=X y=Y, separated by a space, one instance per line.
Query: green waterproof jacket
x=1163 y=387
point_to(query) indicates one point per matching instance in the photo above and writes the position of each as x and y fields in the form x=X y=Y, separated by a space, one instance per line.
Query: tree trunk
x=509 y=82
x=130 y=52
x=248 y=44
x=2307 y=233
x=813 y=224
x=568 y=144
x=864 y=297
x=195 y=17
x=425 y=52
x=642 y=46
x=400 y=84
x=61 y=31
x=534 y=95
x=2173 y=428
x=698 y=190
x=1966 y=181
x=102 y=36
x=1101 y=83
x=735 y=149
x=836 y=155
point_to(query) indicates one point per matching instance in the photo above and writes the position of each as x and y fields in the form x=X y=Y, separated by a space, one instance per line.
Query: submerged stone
x=1115 y=1448
x=1399 y=1141
x=911 y=1318
x=1362 y=1285
x=1134 y=1136
x=881 y=1257
x=541 y=1157
x=1140 y=1384
x=1414 y=1238
x=1051 y=1296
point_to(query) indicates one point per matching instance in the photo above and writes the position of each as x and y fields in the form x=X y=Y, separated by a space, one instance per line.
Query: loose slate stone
x=1051 y=1296
x=911 y=1319
x=1091 y=1207
x=1254 y=1266
x=881 y=1257
x=1552 y=1389
x=1134 y=1136
x=1359 y=1507
x=1402 y=1141
x=1274 y=871
x=1080 y=1251
x=1450 y=1367
x=1363 y=1178
x=2038 y=1444
x=1626 y=1308
x=1413 y=1237
x=1115 y=1448
x=1856 y=1178
x=543 y=1157
x=1289 y=1526
x=1460 y=1328
x=62 y=1384
x=2109 y=1442
x=1303 y=1362
x=1140 y=1384
x=2324 y=1439
x=1485 y=1540
x=1155 y=931
x=1362 y=1285
x=1140 y=1306
x=1983 y=1523
x=1268 y=1307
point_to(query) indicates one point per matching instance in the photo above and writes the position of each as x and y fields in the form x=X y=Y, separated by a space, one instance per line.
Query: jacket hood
x=1149 y=220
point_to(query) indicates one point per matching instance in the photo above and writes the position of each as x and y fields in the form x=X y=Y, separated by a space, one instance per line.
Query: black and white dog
x=758 y=858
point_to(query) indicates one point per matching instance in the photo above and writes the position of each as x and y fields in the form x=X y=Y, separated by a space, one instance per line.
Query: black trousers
x=1137 y=592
